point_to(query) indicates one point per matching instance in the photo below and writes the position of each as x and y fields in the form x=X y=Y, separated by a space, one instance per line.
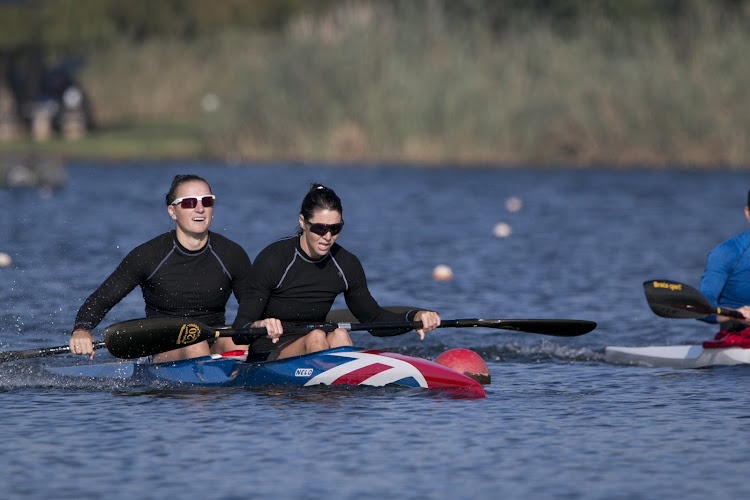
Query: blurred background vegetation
x=495 y=82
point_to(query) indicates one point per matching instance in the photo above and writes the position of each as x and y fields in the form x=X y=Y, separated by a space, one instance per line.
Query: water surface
x=558 y=422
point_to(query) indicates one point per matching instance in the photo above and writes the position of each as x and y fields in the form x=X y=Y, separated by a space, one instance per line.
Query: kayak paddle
x=39 y=352
x=145 y=337
x=346 y=316
x=63 y=349
x=671 y=299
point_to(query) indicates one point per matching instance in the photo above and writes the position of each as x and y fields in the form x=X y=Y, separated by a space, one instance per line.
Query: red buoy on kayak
x=467 y=362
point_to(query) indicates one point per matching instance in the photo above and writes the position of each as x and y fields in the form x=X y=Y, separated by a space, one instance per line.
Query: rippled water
x=558 y=422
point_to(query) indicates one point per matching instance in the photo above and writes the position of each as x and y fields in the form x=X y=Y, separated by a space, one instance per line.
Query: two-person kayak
x=341 y=366
x=133 y=339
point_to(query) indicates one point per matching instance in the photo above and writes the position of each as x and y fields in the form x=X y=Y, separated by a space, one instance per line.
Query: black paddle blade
x=671 y=299
x=553 y=327
x=145 y=337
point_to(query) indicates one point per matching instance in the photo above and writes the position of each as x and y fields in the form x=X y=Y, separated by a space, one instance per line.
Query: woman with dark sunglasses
x=188 y=272
x=296 y=279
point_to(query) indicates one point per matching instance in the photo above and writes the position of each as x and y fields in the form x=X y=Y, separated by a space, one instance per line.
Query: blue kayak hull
x=340 y=366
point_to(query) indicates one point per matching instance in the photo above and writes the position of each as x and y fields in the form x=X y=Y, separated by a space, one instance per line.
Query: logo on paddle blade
x=670 y=286
x=189 y=334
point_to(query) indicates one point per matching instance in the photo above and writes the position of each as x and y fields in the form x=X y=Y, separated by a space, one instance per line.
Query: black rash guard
x=286 y=284
x=176 y=282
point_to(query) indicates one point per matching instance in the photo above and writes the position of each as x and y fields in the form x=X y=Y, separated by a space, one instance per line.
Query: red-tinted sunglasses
x=322 y=229
x=192 y=201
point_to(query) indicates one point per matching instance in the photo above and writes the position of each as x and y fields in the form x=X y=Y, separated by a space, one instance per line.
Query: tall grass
x=365 y=83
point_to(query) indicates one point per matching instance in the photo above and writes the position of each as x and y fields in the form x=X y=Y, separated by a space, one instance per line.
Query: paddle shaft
x=45 y=351
x=63 y=349
x=553 y=327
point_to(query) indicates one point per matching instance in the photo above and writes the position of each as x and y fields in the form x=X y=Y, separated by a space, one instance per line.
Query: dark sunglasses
x=192 y=201
x=322 y=229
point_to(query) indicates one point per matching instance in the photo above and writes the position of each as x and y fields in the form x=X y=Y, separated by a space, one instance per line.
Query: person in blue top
x=726 y=279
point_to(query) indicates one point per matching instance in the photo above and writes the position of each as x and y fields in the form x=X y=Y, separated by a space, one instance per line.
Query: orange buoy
x=467 y=362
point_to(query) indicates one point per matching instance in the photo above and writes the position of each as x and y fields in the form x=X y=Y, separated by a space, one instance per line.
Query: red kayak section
x=441 y=378
x=729 y=339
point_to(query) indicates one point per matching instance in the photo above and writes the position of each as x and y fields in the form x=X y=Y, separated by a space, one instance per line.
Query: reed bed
x=365 y=83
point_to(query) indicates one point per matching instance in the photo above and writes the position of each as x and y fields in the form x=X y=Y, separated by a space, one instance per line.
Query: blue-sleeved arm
x=724 y=281
x=715 y=276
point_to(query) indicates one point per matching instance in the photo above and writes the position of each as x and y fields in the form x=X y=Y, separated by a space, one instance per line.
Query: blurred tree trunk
x=10 y=123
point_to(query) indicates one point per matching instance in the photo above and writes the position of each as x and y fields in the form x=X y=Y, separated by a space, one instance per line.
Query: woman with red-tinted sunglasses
x=189 y=272
x=296 y=279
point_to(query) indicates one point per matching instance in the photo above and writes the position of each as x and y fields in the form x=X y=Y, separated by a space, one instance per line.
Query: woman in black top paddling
x=296 y=279
x=189 y=272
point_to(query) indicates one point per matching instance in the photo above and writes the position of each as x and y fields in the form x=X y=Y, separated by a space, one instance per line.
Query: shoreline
x=178 y=142
x=47 y=158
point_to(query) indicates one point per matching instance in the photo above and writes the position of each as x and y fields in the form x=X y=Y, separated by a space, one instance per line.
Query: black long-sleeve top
x=176 y=282
x=287 y=284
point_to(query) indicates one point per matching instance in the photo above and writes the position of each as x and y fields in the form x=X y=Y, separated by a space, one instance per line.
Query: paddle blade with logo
x=144 y=337
x=671 y=299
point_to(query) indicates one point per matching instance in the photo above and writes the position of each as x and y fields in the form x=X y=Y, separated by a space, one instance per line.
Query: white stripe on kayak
x=399 y=370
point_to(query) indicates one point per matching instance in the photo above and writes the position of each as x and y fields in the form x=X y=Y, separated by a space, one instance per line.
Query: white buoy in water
x=5 y=259
x=501 y=230
x=442 y=273
x=513 y=204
